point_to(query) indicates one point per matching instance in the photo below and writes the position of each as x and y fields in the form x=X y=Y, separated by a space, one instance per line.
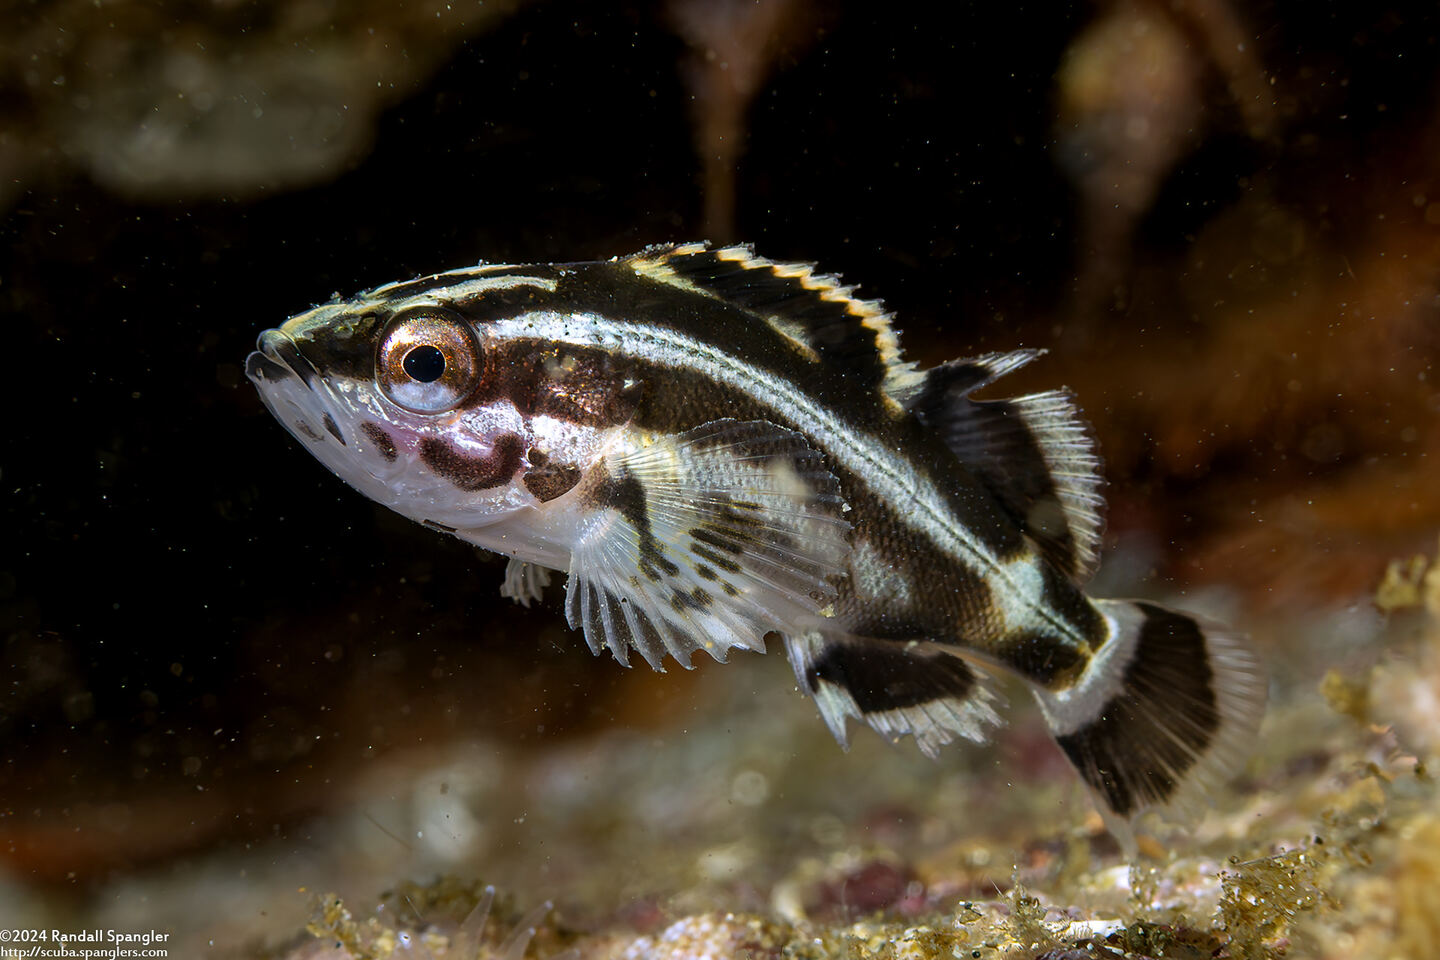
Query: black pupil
x=425 y=363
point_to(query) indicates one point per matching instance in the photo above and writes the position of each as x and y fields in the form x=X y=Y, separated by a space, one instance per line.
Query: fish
x=719 y=450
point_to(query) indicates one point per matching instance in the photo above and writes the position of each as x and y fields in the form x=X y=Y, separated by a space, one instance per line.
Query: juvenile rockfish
x=716 y=447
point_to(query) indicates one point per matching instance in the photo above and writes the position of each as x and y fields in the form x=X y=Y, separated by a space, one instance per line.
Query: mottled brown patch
x=474 y=473
x=588 y=387
x=383 y=444
x=719 y=560
x=627 y=495
x=551 y=480
x=680 y=601
x=333 y=428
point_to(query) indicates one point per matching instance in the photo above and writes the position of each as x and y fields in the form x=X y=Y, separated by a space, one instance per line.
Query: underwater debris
x=1410 y=583
x=1164 y=941
x=1406 y=683
x=372 y=939
x=711 y=935
x=1403 y=584
x=1417 y=892
x=1347 y=695
x=1262 y=899
x=362 y=941
x=1027 y=924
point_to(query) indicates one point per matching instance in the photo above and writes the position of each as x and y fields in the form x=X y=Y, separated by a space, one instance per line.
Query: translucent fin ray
x=524 y=582
x=815 y=313
x=706 y=541
x=1034 y=454
x=899 y=688
x=1167 y=710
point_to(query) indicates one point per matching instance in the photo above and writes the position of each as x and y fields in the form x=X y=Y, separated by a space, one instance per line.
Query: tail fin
x=1168 y=709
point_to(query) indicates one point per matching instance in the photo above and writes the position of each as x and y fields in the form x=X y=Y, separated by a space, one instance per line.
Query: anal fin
x=524 y=582
x=706 y=540
x=897 y=687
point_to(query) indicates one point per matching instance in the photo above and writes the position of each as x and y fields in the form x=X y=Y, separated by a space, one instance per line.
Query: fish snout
x=277 y=357
x=292 y=388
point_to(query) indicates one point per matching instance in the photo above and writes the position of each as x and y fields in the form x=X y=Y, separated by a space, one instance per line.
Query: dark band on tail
x=1124 y=754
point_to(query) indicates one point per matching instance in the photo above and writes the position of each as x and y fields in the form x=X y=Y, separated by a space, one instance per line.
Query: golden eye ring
x=428 y=361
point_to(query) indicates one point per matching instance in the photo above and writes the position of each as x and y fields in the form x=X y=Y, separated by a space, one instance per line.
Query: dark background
x=203 y=630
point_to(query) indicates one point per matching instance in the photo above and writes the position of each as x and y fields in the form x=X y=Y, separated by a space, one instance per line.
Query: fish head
x=402 y=402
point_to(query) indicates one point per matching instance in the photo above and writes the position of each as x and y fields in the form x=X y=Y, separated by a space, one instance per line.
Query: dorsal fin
x=959 y=378
x=1034 y=454
x=820 y=316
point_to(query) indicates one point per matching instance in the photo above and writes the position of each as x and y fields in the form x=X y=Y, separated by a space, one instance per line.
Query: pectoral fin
x=705 y=541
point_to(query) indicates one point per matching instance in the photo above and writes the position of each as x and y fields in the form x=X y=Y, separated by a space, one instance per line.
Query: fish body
x=715 y=447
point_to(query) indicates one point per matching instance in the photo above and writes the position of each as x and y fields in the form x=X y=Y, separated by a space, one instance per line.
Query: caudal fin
x=1167 y=710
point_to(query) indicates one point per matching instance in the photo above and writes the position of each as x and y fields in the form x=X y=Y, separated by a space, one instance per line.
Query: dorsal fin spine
x=667 y=263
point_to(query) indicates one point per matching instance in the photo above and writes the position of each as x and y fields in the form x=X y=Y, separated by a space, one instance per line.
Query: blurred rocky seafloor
x=738 y=828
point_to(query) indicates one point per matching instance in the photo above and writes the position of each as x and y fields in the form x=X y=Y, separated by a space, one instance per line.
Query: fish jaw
x=305 y=403
x=458 y=473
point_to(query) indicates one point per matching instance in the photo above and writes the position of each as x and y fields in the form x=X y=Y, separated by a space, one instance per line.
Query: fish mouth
x=292 y=388
x=276 y=356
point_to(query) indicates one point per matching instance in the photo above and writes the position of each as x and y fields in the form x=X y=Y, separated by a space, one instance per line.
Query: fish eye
x=428 y=361
x=425 y=363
